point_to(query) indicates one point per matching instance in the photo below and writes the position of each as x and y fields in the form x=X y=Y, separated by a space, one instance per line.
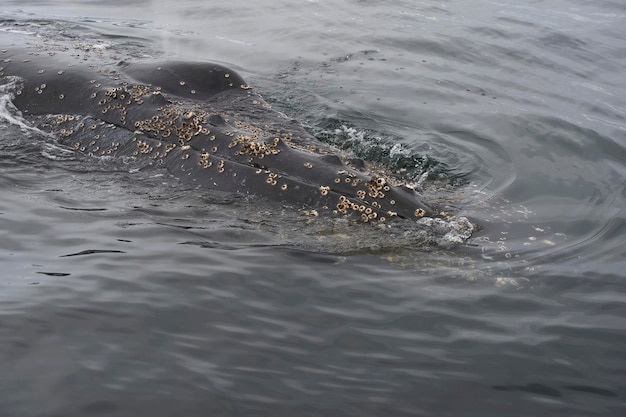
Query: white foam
x=20 y=32
x=8 y=112
x=453 y=231
x=352 y=133
x=54 y=152
x=235 y=41
x=101 y=46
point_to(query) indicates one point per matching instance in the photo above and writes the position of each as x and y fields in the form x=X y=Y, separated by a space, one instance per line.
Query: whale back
x=189 y=80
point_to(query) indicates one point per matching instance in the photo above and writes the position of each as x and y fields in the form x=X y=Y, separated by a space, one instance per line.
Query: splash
x=395 y=156
x=8 y=112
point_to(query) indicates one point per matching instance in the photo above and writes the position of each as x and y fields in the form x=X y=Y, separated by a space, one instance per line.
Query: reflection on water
x=124 y=292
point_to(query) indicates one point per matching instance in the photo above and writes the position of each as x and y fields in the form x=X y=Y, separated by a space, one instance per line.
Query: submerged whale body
x=200 y=120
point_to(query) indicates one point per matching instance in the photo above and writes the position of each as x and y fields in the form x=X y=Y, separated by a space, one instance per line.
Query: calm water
x=126 y=293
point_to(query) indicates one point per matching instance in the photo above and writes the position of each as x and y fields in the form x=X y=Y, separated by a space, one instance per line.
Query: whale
x=201 y=121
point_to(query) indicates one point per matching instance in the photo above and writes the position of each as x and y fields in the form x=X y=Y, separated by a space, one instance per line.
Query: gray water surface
x=125 y=292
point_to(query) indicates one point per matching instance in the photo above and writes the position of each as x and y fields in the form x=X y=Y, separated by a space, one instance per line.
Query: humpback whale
x=200 y=120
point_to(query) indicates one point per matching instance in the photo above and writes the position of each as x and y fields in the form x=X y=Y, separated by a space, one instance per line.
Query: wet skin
x=199 y=119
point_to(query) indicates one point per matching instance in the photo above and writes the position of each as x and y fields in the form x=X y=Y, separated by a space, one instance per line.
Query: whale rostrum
x=200 y=120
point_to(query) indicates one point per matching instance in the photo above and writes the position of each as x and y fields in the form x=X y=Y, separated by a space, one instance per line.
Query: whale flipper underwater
x=201 y=121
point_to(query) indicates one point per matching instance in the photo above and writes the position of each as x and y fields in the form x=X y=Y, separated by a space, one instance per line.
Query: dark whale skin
x=199 y=119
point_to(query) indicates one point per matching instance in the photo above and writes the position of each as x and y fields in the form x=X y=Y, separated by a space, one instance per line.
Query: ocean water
x=126 y=292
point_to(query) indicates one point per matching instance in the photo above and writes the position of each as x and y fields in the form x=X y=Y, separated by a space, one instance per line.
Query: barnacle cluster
x=249 y=146
x=118 y=98
x=376 y=186
x=173 y=120
x=204 y=161
x=367 y=213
